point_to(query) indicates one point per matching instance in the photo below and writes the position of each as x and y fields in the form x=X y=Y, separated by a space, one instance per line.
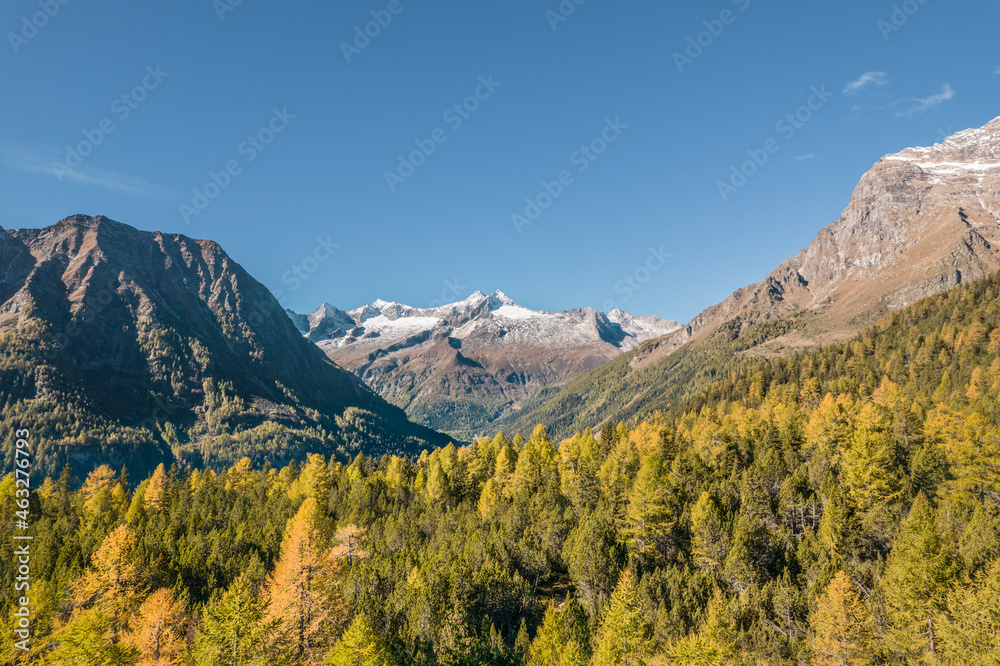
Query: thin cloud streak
x=866 y=80
x=916 y=105
x=24 y=160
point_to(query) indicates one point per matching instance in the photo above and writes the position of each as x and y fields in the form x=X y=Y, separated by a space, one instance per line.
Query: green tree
x=360 y=646
x=969 y=632
x=922 y=565
x=624 y=636
x=233 y=631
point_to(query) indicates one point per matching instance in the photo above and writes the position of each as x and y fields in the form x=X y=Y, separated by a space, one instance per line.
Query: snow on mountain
x=463 y=364
x=382 y=322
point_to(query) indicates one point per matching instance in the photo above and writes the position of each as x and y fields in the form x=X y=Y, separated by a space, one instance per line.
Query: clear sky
x=126 y=109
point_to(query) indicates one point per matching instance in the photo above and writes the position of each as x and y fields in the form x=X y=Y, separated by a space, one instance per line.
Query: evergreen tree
x=233 y=631
x=922 y=565
x=624 y=636
x=360 y=646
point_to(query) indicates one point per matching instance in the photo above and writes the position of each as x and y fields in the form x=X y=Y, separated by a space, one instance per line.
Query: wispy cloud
x=914 y=105
x=866 y=80
x=27 y=160
x=996 y=72
x=807 y=156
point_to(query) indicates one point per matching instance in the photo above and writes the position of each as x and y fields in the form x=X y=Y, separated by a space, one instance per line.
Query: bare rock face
x=920 y=221
x=459 y=366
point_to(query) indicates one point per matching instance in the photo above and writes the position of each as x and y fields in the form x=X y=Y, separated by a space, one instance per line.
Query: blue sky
x=590 y=114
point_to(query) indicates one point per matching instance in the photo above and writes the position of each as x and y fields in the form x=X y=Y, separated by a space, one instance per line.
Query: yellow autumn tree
x=303 y=597
x=841 y=632
x=155 y=497
x=158 y=630
x=115 y=580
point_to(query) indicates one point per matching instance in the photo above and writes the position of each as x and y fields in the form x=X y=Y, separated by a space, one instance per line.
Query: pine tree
x=922 y=565
x=233 y=631
x=624 y=636
x=841 y=635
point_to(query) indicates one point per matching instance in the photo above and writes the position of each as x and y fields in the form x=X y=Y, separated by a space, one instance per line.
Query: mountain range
x=135 y=348
x=460 y=366
x=920 y=221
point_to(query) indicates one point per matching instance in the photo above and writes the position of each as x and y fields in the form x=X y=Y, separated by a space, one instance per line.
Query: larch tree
x=841 y=628
x=710 y=538
x=303 y=592
x=158 y=630
x=648 y=522
x=155 y=498
x=115 y=581
x=233 y=629
x=360 y=646
x=969 y=631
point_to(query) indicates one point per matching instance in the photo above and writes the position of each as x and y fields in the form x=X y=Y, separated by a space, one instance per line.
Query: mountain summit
x=460 y=365
x=124 y=346
x=920 y=221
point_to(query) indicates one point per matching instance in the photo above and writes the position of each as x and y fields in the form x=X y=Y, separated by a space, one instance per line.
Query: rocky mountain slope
x=459 y=366
x=920 y=221
x=130 y=347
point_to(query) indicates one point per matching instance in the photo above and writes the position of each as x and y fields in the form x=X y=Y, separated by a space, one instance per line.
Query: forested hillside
x=132 y=348
x=839 y=507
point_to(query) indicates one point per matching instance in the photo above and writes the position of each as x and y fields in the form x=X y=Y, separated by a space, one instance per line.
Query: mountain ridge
x=473 y=359
x=920 y=221
x=161 y=347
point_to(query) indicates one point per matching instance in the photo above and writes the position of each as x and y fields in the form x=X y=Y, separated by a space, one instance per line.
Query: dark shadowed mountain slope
x=131 y=347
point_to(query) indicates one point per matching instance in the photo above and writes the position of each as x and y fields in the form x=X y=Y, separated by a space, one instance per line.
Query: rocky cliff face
x=133 y=330
x=459 y=366
x=920 y=221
